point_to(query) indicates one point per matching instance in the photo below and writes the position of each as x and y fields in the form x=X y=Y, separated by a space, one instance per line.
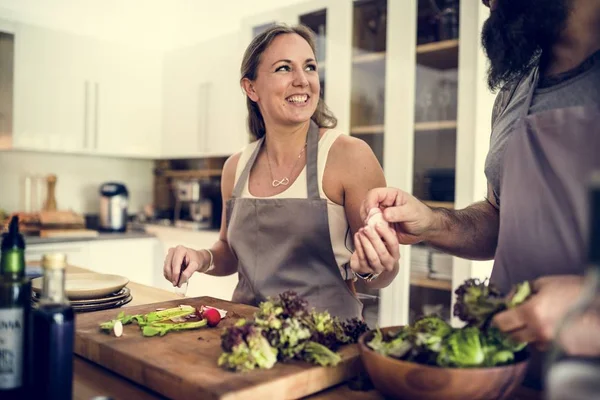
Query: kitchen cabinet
x=77 y=252
x=135 y=259
x=204 y=106
x=126 y=101
x=50 y=106
x=81 y=95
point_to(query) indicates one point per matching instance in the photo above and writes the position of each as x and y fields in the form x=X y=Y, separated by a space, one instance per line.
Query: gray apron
x=544 y=205
x=284 y=244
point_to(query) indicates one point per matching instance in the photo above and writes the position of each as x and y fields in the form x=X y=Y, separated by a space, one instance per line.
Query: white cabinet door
x=204 y=112
x=77 y=252
x=49 y=90
x=134 y=259
x=127 y=101
x=227 y=132
x=185 y=106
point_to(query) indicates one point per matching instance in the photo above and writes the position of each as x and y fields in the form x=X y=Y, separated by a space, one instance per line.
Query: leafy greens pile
x=284 y=329
x=431 y=340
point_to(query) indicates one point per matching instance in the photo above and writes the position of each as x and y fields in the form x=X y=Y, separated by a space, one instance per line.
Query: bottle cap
x=54 y=261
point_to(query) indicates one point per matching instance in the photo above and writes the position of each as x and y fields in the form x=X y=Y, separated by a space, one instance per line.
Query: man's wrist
x=437 y=226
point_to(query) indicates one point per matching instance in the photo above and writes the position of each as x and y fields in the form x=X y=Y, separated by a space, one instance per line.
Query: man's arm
x=469 y=233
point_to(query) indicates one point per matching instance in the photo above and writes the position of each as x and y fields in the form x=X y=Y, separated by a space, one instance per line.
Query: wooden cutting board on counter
x=183 y=365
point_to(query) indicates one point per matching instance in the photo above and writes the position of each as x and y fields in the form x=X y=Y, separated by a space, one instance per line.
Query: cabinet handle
x=96 y=97
x=85 y=115
x=203 y=114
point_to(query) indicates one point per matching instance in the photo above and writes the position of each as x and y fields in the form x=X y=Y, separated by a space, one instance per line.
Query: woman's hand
x=181 y=262
x=376 y=249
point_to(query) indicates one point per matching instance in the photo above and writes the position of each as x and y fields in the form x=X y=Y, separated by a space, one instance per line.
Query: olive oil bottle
x=15 y=307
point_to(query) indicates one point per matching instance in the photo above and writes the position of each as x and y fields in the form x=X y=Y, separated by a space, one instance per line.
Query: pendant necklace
x=285 y=180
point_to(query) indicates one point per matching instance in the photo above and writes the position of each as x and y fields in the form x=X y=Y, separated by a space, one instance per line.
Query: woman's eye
x=283 y=68
x=311 y=67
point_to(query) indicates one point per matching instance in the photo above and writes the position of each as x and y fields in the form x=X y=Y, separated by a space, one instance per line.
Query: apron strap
x=312 y=155
x=534 y=83
x=239 y=186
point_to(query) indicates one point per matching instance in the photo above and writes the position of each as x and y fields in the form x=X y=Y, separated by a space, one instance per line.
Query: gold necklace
x=285 y=180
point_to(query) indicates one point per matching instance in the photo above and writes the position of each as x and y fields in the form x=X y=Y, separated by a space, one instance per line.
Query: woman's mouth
x=298 y=99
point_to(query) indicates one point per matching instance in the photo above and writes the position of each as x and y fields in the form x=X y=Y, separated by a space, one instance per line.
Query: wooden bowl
x=408 y=380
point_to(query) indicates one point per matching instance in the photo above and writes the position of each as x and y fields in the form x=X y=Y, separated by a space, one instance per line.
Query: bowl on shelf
x=399 y=379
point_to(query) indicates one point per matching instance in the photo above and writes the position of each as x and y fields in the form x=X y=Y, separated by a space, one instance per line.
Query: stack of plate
x=90 y=292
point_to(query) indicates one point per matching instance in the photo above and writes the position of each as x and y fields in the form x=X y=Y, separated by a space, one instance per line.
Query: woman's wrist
x=208 y=263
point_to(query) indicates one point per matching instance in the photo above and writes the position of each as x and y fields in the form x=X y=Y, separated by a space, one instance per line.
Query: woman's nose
x=300 y=79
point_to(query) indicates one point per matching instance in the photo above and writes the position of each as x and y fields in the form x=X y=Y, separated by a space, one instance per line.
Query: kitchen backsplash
x=79 y=179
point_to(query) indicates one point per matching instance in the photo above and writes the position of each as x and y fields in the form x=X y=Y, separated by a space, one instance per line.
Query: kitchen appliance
x=197 y=203
x=114 y=200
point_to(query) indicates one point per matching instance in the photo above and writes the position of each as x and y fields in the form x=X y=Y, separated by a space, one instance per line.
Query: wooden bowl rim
x=480 y=370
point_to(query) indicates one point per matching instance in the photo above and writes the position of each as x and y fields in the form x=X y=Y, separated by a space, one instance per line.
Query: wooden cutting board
x=62 y=233
x=183 y=365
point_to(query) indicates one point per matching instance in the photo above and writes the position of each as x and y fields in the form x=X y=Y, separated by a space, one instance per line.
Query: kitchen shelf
x=435 y=126
x=439 y=204
x=191 y=174
x=422 y=280
x=367 y=130
x=439 y=55
x=369 y=57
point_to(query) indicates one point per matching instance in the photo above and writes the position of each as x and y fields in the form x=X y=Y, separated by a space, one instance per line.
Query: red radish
x=212 y=316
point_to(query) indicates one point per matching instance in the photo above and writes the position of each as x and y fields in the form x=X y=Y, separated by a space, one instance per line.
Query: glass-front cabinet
x=408 y=78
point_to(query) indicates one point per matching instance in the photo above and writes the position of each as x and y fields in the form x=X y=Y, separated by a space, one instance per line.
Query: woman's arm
x=356 y=168
x=225 y=263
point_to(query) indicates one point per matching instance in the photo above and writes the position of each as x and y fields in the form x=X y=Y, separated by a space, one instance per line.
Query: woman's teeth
x=298 y=99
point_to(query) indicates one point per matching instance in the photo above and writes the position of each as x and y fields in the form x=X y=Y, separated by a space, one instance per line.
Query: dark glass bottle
x=15 y=306
x=574 y=362
x=53 y=334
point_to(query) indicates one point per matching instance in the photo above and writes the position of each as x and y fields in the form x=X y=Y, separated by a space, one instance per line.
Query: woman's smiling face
x=287 y=84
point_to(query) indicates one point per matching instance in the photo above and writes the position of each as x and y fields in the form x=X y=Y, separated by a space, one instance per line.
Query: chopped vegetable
x=245 y=349
x=212 y=316
x=157 y=322
x=320 y=355
x=118 y=328
x=163 y=328
x=293 y=331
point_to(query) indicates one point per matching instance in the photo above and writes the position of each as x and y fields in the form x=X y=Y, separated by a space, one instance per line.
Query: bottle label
x=11 y=348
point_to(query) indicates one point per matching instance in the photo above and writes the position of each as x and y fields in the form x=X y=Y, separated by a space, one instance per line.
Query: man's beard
x=517 y=33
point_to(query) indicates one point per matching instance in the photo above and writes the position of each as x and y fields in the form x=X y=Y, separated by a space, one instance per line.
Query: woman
x=293 y=196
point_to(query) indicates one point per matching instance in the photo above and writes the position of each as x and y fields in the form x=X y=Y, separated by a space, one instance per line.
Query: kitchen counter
x=92 y=380
x=33 y=240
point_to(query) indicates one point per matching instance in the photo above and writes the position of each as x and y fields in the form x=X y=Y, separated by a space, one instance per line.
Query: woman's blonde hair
x=322 y=116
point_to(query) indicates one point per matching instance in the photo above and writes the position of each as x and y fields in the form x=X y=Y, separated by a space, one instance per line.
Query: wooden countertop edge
x=92 y=380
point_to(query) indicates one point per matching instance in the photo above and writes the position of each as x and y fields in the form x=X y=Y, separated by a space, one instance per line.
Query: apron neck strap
x=312 y=155
x=239 y=186
x=533 y=85
x=312 y=152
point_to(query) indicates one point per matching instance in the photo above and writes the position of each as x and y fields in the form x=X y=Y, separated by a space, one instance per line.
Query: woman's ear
x=248 y=87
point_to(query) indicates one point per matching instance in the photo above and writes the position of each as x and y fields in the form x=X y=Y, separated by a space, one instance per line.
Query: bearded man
x=545 y=142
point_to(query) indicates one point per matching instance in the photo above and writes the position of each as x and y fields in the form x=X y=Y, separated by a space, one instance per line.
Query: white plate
x=86 y=285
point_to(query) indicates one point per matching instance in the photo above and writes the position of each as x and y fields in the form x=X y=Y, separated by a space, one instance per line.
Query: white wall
x=79 y=178
x=155 y=24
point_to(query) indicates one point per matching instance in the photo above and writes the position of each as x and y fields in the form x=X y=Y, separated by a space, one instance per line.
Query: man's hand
x=410 y=218
x=535 y=321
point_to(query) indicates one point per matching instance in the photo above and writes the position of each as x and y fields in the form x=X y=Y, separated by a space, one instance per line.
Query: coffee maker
x=198 y=203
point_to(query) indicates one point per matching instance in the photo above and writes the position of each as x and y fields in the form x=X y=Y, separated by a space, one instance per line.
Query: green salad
x=432 y=341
